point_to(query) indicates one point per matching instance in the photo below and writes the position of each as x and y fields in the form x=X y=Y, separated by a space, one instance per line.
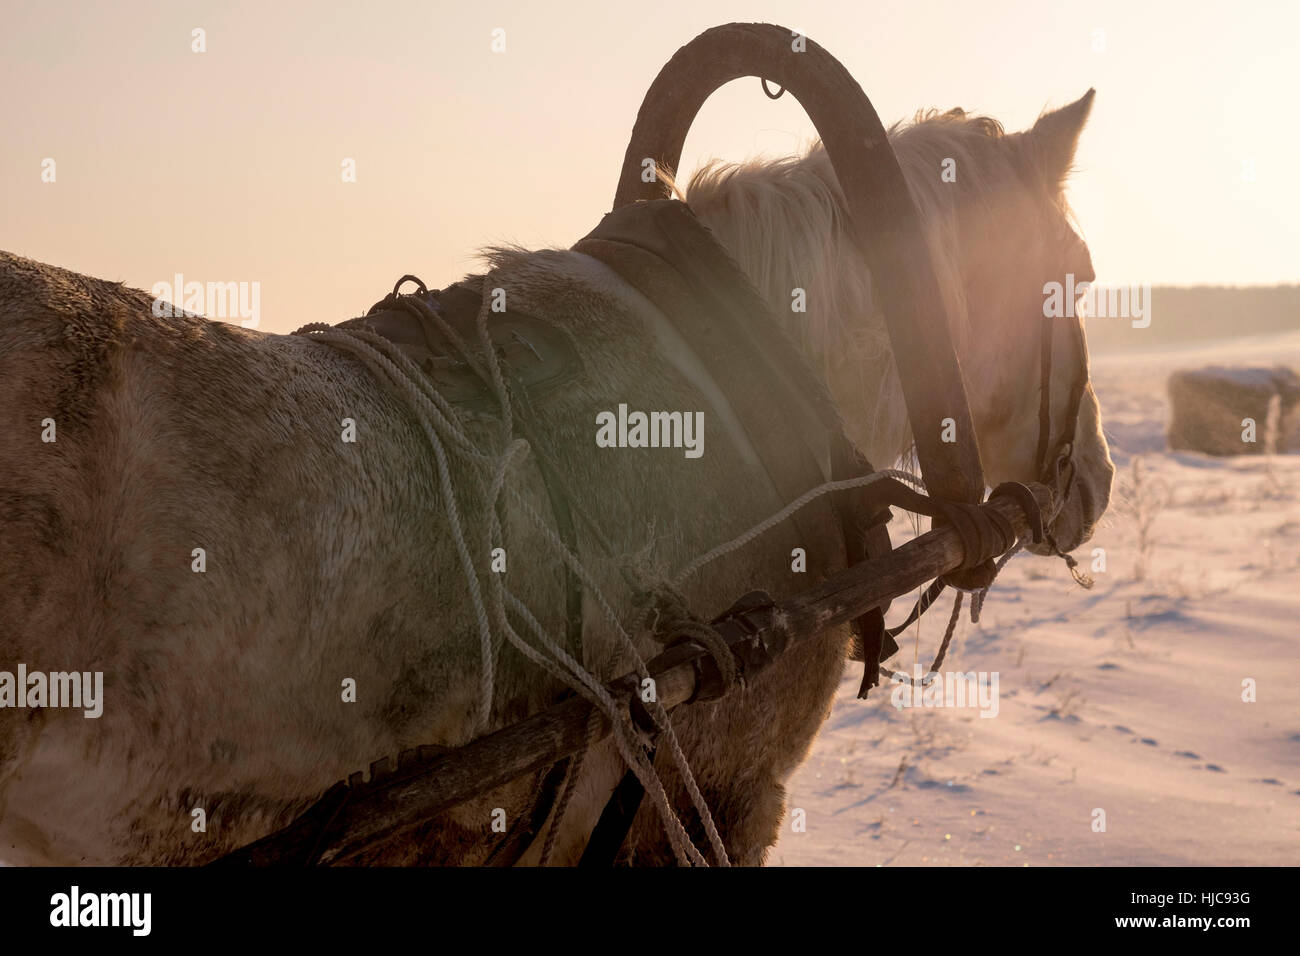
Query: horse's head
x=999 y=219
x=993 y=210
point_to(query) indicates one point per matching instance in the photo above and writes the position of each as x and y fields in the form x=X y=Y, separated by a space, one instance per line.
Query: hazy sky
x=225 y=165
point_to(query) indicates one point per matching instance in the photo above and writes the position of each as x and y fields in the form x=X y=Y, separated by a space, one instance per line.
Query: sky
x=226 y=165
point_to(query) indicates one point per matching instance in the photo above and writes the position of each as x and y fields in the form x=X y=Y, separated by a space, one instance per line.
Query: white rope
x=656 y=711
x=977 y=599
x=441 y=421
x=380 y=362
x=767 y=524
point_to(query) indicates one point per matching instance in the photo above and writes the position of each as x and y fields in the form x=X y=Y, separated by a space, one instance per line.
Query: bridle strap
x=1053 y=456
x=1044 y=395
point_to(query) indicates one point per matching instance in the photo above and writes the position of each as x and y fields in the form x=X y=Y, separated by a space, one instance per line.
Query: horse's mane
x=783 y=221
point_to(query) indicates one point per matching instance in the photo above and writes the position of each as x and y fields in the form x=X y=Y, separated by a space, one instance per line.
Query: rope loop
x=422 y=290
x=670 y=622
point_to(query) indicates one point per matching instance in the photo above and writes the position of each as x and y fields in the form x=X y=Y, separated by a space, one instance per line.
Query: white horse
x=330 y=562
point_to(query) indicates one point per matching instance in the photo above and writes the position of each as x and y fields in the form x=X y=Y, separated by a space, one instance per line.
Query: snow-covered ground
x=1126 y=699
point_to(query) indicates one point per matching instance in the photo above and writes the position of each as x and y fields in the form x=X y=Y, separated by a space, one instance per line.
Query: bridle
x=1056 y=470
x=1055 y=459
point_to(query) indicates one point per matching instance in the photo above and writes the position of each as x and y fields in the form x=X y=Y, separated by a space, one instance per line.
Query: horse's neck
x=840 y=330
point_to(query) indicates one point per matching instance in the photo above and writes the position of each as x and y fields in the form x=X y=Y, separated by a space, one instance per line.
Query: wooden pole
x=343 y=824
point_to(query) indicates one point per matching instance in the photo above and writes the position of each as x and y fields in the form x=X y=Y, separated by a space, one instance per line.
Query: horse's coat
x=328 y=560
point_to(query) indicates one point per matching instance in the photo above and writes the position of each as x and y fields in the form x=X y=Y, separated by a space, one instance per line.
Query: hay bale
x=1288 y=431
x=1207 y=407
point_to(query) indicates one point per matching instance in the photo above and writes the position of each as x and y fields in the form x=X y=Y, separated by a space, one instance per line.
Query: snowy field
x=1125 y=699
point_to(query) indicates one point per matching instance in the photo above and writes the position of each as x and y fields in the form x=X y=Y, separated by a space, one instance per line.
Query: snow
x=1126 y=699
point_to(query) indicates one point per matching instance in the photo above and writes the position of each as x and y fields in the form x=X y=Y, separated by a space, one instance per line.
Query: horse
x=272 y=604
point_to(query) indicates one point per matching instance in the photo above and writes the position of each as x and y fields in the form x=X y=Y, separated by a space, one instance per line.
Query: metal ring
x=770 y=95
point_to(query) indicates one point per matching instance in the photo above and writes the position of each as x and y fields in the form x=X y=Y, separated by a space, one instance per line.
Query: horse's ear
x=1055 y=136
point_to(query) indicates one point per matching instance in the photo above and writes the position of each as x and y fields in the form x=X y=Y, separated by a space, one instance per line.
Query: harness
x=659 y=248
x=663 y=251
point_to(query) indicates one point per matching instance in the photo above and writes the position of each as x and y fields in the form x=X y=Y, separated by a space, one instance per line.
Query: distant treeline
x=1201 y=314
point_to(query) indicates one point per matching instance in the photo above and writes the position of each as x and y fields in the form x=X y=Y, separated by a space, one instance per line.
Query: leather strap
x=661 y=249
x=781 y=402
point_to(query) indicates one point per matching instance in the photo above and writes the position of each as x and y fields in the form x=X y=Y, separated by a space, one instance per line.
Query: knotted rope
x=446 y=432
x=978 y=595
